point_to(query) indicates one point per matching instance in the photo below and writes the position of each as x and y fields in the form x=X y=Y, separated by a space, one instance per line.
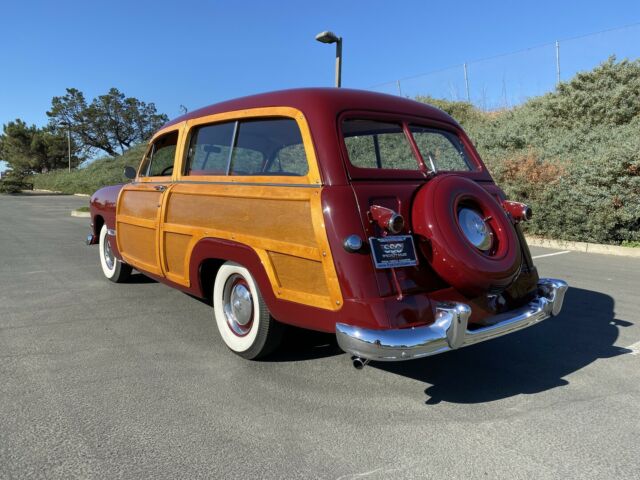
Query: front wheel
x=113 y=269
x=244 y=321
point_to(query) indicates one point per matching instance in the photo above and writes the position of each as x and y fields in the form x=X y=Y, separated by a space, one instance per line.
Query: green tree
x=111 y=123
x=31 y=149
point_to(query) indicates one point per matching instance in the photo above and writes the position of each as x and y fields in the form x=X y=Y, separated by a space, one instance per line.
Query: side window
x=290 y=160
x=269 y=147
x=246 y=161
x=209 y=149
x=159 y=160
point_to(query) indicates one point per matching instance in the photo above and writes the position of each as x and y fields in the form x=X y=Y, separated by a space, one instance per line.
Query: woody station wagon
x=367 y=215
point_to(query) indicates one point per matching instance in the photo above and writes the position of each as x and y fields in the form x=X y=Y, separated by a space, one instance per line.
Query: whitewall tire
x=241 y=314
x=113 y=269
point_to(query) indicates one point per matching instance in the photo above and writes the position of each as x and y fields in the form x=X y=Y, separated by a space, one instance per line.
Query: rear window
x=440 y=149
x=375 y=144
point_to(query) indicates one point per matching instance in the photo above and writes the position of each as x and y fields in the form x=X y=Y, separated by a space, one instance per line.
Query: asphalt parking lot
x=99 y=380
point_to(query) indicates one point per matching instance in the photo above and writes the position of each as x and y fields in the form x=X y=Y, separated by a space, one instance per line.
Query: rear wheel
x=244 y=322
x=113 y=269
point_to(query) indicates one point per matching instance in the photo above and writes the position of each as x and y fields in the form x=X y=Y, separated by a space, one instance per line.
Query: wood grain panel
x=266 y=218
x=295 y=273
x=140 y=204
x=138 y=245
x=175 y=247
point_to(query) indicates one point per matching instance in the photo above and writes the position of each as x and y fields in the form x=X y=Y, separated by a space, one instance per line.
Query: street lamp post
x=65 y=124
x=330 y=37
x=69 y=146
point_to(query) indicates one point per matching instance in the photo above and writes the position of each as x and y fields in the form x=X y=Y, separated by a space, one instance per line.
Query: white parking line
x=551 y=254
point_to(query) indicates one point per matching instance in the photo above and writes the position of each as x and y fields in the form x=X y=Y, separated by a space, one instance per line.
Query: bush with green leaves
x=573 y=154
x=14 y=183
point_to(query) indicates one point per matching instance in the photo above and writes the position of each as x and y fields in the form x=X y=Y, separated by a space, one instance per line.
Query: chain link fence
x=510 y=79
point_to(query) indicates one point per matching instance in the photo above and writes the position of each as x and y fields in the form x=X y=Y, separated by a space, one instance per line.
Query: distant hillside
x=103 y=171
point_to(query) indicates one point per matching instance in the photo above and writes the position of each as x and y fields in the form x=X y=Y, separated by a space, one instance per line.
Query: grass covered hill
x=104 y=171
x=573 y=155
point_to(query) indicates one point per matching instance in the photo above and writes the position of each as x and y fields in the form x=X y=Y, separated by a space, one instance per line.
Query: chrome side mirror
x=130 y=172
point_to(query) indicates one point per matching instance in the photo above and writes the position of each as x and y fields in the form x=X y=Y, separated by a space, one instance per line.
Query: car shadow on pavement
x=529 y=361
x=139 y=278
x=299 y=344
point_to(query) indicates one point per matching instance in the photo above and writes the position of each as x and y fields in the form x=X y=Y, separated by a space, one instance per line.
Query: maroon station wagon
x=366 y=215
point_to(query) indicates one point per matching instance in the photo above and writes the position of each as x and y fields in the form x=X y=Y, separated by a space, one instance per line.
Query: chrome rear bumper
x=449 y=331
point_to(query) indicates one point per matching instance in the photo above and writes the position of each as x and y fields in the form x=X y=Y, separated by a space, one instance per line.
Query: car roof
x=315 y=102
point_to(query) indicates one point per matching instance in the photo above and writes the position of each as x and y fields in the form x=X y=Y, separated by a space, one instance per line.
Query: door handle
x=160 y=188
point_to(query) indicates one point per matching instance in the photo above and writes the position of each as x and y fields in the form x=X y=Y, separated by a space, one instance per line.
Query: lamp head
x=327 y=37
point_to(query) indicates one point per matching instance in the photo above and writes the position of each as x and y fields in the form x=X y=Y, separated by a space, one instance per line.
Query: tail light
x=520 y=212
x=387 y=219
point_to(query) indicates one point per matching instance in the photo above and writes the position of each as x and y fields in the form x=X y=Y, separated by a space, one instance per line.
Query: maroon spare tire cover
x=435 y=216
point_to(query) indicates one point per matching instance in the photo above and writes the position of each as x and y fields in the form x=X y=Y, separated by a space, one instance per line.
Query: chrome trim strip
x=246 y=184
x=449 y=330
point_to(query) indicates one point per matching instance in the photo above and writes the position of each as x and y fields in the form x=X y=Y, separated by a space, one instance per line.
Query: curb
x=42 y=190
x=584 y=247
x=77 y=213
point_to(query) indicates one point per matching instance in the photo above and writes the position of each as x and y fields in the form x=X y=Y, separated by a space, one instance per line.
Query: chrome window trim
x=257 y=184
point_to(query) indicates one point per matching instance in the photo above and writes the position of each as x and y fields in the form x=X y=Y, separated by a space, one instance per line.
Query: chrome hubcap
x=109 y=258
x=238 y=305
x=475 y=229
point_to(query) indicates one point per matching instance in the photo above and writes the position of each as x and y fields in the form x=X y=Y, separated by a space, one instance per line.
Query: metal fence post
x=466 y=81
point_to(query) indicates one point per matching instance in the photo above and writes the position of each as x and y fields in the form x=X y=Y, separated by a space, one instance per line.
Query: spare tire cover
x=435 y=216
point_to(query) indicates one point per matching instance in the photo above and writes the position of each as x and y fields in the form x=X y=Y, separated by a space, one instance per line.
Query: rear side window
x=443 y=149
x=259 y=145
x=290 y=160
x=270 y=146
x=375 y=144
x=209 y=149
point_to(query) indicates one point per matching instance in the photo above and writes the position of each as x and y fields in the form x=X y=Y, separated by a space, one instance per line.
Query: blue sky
x=200 y=52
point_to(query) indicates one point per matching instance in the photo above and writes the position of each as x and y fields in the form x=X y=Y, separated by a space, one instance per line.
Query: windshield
x=373 y=144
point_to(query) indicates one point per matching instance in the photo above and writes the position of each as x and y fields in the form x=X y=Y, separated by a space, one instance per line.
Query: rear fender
x=283 y=310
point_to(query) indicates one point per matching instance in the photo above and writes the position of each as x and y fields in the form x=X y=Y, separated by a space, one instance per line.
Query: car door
x=140 y=203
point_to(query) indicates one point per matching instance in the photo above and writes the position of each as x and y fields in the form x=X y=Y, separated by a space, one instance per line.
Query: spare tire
x=472 y=244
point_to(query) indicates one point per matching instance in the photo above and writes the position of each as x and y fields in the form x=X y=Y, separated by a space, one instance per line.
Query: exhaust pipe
x=359 y=363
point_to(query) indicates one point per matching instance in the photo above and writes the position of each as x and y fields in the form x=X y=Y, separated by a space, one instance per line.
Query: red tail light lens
x=520 y=212
x=387 y=219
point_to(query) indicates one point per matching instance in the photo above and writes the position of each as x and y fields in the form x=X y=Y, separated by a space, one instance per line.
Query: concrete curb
x=77 y=213
x=584 y=247
x=42 y=190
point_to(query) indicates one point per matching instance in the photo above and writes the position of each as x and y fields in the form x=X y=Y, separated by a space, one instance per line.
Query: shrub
x=573 y=154
x=13 y=183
